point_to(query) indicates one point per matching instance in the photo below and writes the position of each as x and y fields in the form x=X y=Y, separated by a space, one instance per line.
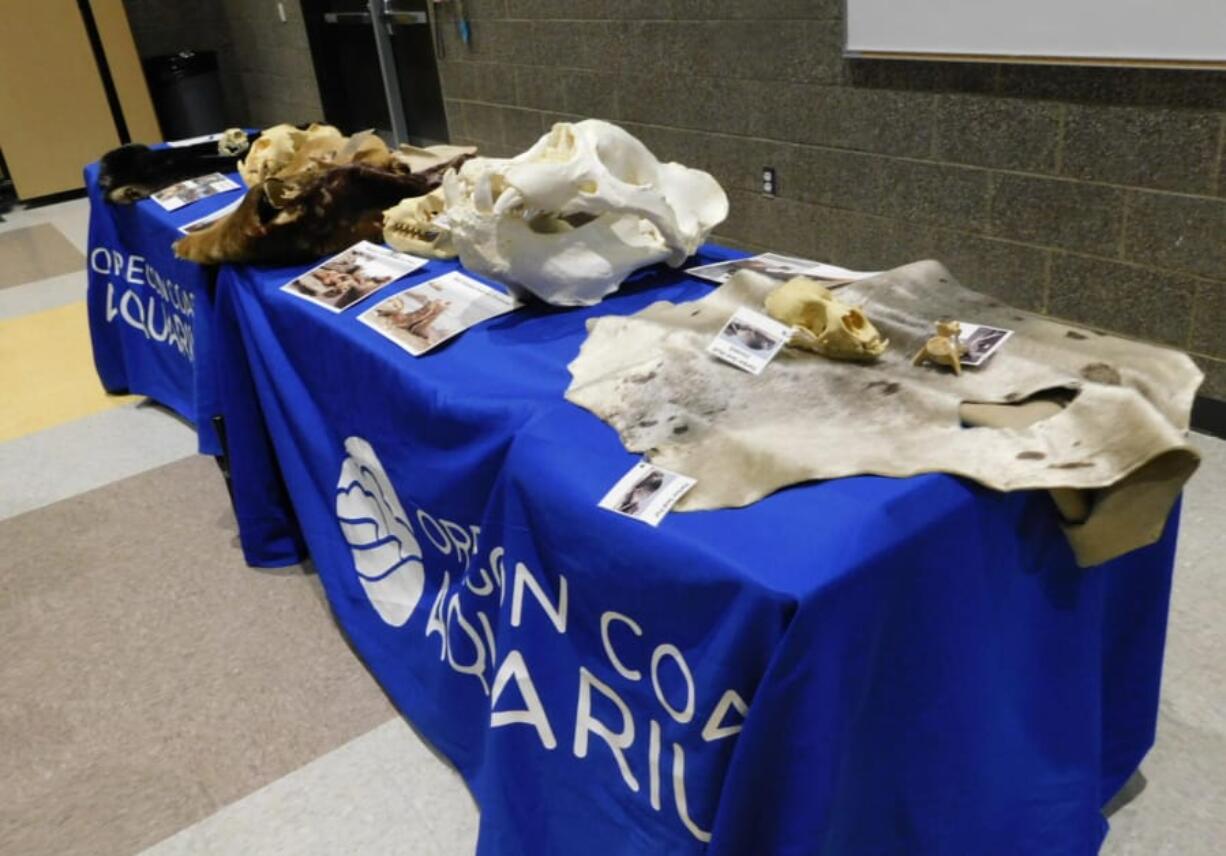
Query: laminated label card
x=426 y=315
x=209 y=219
x=778 y=267
x=981 y=342
x=646 y=493
x=356 y=273
x=750 y=340
x=193 y=190
x=191 y=141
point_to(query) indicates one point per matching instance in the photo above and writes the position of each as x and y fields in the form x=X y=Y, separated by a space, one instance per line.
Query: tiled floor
x=37 y=252
x=168 y=700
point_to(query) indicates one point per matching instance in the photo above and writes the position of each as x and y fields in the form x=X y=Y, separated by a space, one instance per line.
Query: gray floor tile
x=381 y=794
x=90 y=452
x=1180 y=811
x=46 y=294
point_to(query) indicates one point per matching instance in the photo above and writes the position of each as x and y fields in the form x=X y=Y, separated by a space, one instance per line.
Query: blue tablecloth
x=151 y=314
x=859 y=666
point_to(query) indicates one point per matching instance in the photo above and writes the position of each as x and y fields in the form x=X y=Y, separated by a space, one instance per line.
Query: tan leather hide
x=1116 y=424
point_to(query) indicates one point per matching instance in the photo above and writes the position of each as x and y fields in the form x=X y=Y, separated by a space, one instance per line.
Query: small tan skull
x=233 y=142
x=823 y=324
x=269 y=153
x=414 y=226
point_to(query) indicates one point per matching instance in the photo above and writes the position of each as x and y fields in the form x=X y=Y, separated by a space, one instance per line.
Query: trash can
x=186 y=92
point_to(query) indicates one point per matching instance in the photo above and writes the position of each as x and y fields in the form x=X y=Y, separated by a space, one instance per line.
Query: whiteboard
x=1097 y=32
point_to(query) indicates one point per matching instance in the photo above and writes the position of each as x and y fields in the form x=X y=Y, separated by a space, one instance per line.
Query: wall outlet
x=770 y=181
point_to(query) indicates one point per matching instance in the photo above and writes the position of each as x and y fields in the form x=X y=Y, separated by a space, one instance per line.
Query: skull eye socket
x=853 y=321
x=550 y=224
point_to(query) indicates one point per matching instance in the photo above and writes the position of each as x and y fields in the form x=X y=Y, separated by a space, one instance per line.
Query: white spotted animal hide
x=1118 y=427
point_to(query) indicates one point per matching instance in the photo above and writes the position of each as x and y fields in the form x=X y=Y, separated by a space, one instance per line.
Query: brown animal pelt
x=289 y=223
x=316 y=206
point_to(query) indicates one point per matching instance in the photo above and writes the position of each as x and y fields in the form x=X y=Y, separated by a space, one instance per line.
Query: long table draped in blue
x=150 y=313
x=858 y=666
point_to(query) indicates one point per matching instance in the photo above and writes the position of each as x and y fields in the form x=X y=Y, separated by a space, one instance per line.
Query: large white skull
x=572 y=217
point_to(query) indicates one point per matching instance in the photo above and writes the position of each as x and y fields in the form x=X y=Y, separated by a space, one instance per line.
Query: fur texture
x=280 y=224
x=316 y=208
x=136 y=171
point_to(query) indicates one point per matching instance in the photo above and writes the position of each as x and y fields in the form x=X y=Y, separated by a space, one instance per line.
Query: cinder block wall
x=1095 y=195
x=265 y=64
x=274 y=60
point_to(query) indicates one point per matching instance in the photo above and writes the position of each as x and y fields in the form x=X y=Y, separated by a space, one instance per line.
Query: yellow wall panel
x=54 y=116
x=126 y=70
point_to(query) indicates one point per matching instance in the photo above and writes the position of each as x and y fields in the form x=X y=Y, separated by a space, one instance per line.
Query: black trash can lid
x=177 y=66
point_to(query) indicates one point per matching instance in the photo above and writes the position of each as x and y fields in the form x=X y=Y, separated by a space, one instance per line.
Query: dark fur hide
x=136 y=171
x=287 y=224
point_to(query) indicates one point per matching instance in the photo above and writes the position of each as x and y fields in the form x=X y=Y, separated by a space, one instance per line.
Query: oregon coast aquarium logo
x=478 y=587
x=385 y=551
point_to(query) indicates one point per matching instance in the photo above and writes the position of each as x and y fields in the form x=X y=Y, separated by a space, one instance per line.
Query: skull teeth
x=412 y=230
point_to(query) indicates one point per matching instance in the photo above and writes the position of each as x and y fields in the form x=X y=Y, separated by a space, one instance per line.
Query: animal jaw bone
x=569 y=219
x=414 y=226
x=823 y=324
x=945 y=348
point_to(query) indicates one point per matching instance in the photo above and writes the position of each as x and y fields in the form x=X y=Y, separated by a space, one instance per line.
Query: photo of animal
x=344 y=280
x=641 y=493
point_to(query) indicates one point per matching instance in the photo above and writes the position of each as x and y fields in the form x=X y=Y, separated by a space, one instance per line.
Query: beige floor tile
x=34 y=253
x=149 y=677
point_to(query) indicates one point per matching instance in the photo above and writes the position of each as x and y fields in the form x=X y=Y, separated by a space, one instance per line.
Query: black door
x=352 y=47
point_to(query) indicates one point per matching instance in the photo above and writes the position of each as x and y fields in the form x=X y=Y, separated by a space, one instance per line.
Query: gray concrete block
x=1007 y=133
x=539 y=88
x=1209 y=319
x=1162 y=149
x=1071 y=83
x=833 y=177
x=921 y=76
x=723 y=105
x=866 y=120
x=484 y=122
x=590 y=94
x=1181 y=232
x=520 y=128
x=1058 y=213
x=935 y=193
x=1015 y=273
x=770 y=9
x=783 y=225
x=493 y=83
x=1122 y=298
x=589 y=45
x=868 y=242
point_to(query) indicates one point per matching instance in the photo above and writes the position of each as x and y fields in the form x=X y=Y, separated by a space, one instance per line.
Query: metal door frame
x=382 y=16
